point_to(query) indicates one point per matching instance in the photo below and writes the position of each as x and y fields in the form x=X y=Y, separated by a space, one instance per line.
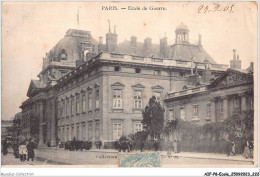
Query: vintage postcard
x=129 y=84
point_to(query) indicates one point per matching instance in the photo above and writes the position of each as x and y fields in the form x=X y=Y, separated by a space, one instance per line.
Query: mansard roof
x=189 y=51
x=71 y=46
x=139 y=50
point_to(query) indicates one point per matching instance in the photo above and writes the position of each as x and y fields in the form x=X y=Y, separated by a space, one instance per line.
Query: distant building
x=17 y=125
x=95 y=91
x=6 y=128
x=231 y=92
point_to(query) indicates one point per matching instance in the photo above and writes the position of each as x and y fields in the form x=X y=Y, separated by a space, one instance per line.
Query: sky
x=30 y=29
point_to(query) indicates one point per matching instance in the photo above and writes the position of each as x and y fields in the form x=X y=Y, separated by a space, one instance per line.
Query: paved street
x=53 y=156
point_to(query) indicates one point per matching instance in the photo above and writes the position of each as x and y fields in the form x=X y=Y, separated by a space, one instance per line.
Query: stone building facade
x=93 y=91
x=231 y=92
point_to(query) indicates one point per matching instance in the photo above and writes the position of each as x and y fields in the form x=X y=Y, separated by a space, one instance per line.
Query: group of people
x=247 y=152
x=23 y=149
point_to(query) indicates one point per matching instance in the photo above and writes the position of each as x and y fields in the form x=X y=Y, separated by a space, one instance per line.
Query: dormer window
x=63 y=55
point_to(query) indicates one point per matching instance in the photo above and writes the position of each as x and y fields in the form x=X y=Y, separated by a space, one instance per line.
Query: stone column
x=225 y=107
x=243 y=102
x=41 y=124
x=53 y=122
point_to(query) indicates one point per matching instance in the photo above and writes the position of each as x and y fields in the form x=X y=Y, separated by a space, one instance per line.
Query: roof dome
x=182 y=27
x=70 y=46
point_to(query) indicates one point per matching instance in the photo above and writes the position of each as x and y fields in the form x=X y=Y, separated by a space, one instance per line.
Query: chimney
x=147 y=43
x=235 y=63
x=206 y=73
x=100 y=40
x=251 y=68
x=115 y=29
x=199 y=43
x=163 y=47
x=111 y=40
x=133 y=41
x=234 y=54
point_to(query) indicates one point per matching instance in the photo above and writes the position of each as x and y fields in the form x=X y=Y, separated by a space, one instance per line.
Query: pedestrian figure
x=233 y=148
x=175 y=146
x=15 y=146
x=156 y=144
x=246 y=152
x=228 y=147
x=130 y=146
x=30 y=149
x=251 y=148
x=22 y=151
x=142 y=146
x=99 y=144
x=5 y=146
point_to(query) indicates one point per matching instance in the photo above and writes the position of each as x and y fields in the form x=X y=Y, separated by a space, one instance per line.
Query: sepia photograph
x=129 y=84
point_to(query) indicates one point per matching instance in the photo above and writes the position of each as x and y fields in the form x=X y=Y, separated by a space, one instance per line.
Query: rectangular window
x=157 y=72
x=117 y=68
x=77 y=105
x=157 y=96
x=117 y=98
x=221 y=106
x=195 y=110
x=236 y=103
x=97 y=99
x=72 y=106
x=171 y=115
x=67 y=134
x=117 y=131
x=183 y=113
x=83 y=132
x=208 y=109
x=90 y=101
x=77 y=133
x=138 y=127
x=63 y=134
x=72 y=132
x=97 y=131
x=63 y=108
x=84 y=103
x=137 y=99
x=90 y=131
x=67 y=107
x=137 y=70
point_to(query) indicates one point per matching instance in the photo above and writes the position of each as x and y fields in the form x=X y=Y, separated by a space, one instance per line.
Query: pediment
x=117 y=84
x=138 y=86
x=157 y=87
x=34 y=86
x=231 y=78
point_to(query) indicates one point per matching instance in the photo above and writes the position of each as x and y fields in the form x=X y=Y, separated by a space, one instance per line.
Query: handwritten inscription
x=216 y=8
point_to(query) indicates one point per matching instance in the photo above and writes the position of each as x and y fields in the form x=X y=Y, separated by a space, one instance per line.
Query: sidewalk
x=215 y=156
